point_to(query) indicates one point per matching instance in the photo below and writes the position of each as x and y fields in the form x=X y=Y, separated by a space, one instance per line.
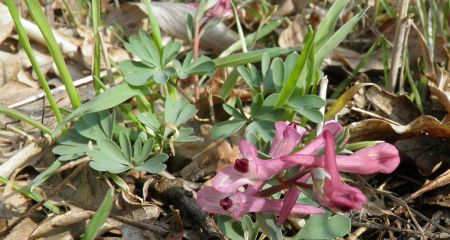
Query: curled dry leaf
x=396 y=107
x=6 y=23
x=375 y=129
x=60 y=223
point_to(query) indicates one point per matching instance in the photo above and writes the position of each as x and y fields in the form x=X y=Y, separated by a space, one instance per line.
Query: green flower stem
x=38 y=15
x=25 y=43
x=96 y=61
x=22 y=117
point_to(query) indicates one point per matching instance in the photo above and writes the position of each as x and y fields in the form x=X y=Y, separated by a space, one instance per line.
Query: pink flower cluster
x=237 y=191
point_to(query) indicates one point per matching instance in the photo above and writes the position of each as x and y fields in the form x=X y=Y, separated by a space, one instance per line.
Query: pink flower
x=336 y=195
x=381 y=158
x=238 y=204
x=287 y=137
x=317 y=144
x=221 y=9
x=249 y=171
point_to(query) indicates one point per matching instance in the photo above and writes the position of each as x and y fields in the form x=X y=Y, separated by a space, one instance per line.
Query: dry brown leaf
x=22 y=230
x=396 y=107
x=62 y=223
x=9 y=67
x=376 y=129
x=293 y=35
x=287 y=7
x=25 y=78
x=350 y=58
x=6 y=23
x=430 y=154
x=12 y=203
x=207 y=156
x=9 y=92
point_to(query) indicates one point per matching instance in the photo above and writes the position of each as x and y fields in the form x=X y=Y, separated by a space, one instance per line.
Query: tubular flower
x=287 y=137
x=336 y=195
x=249 y=171
x=238 y=204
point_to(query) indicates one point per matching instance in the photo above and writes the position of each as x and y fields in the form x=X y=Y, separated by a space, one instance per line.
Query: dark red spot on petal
x=226 y=203
x=241 y=165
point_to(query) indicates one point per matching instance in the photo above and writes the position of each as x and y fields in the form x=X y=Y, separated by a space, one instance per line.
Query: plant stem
x=25 y=43
x=36 y=12
x=22 y=117
x=96 y=61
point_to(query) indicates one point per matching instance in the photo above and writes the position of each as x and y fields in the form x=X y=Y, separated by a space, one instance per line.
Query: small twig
x=73 y=164
x=398 y=44
x=18 y=131
x=211 y=105
x=154 y=228
x=389 y=228
x=375 y=115
x=76 y=83
x=39 y=204
x=403 y=203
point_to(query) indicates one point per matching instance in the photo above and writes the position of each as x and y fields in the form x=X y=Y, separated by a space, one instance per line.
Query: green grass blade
x=30 y=194
x=96 y=61
x=22 y=117
x=43 y=176
x=156 y=32
x=38 y=15
x=326 y=27
x=250 y=57
x=100 y=216
x=291 y=82
x=229 y=84
x=265 y=30
x=25 y=43
x=415 y=91
x=239 y=28
x=328 y=46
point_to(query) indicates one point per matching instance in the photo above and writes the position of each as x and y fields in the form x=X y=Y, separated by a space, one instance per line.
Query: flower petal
x=286 y=138
x=288 y=203
x=229 y=180
x=381 y=158
x=208 y=200
x=333 y=127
